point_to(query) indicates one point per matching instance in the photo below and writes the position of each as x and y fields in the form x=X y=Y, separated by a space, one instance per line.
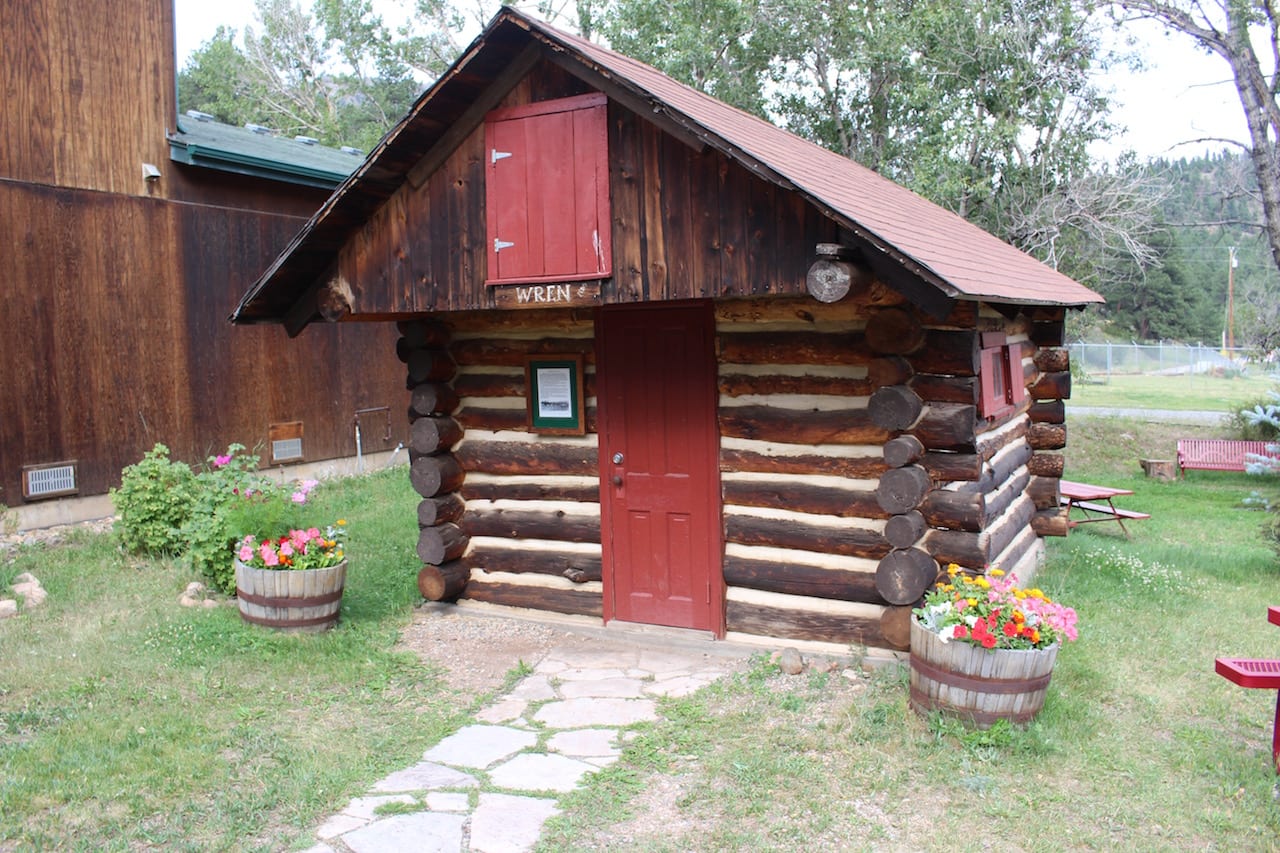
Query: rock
x=790 y=662
x=33 y=595
x=195 y=589
x=26 y=577
x=187 y=601
x=8 y=607
x=208 y=602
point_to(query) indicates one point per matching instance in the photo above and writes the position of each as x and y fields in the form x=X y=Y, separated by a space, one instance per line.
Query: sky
x=1182 y=94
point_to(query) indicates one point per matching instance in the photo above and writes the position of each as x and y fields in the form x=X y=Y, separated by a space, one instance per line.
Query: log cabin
x=128 y=233
x=672 y=365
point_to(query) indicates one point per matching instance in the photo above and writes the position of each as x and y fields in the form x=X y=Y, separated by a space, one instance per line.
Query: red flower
x=960 y=633
x=1011 y=629
x=988 y=641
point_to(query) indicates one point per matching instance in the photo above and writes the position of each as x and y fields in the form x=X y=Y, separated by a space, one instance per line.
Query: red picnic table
x=1252 y=672
x=1089 y=499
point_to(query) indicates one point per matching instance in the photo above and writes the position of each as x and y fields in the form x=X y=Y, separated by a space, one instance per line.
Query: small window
x=547 y=191
x=1001 y=375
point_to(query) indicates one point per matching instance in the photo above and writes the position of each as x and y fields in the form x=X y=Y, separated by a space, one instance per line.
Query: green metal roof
x=253 y=150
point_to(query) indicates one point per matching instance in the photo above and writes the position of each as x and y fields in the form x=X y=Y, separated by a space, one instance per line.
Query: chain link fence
x=1105 y=360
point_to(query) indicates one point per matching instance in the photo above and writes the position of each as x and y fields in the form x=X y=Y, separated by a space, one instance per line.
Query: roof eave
x=191 y=154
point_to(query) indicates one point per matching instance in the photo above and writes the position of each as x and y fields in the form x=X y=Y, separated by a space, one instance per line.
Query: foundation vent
x=286 y=442
x=49 y=481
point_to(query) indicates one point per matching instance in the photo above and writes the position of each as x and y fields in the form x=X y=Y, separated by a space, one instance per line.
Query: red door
x=659 y=466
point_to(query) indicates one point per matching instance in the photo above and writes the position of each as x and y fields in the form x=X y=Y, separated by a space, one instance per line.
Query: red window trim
x=998 y=354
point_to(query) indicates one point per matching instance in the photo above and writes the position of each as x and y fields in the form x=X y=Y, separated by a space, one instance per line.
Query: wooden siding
x=686 y=225
x=115 y=337
x=89 y=93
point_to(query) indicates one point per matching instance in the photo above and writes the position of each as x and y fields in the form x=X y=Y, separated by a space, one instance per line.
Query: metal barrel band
x=923 y=702
x=980 y=685
x=289 y=623
x=312 y=601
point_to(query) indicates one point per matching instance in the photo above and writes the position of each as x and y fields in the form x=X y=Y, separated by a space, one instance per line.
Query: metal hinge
x=499 y=245
x=495 y=155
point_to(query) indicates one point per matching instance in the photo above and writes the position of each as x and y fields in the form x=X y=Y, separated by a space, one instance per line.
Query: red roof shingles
x=964 y=257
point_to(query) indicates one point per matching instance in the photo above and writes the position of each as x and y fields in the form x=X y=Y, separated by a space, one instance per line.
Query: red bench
x=1218 y=454
x=1261 y=673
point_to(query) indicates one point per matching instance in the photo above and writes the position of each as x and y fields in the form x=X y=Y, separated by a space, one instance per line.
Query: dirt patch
x=477 y=650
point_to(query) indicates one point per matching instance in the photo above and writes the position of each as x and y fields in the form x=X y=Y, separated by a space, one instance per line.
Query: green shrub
x=1256 y=421
x=155 y=500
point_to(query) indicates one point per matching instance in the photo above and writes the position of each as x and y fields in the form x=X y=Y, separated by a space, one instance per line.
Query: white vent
x=49 y=481
x=286 y=449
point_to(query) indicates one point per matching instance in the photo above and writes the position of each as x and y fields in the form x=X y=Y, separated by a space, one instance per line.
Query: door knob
x=617 y=479
x=617 y=459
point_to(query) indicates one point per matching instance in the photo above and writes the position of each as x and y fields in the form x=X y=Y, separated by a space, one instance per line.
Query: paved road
x=1165 y=416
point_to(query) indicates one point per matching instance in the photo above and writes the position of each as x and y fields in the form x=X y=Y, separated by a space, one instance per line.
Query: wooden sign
x=560 y=294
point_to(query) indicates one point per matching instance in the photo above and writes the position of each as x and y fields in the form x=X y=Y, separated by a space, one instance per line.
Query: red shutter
x=547 y=191
x=988 y=365
x=1017 y=382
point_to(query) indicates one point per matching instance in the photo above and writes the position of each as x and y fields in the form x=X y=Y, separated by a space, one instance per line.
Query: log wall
x=532 y=501
x=853 y=466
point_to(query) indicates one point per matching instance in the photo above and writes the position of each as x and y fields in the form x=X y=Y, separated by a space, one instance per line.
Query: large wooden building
x=673 y=365
x=126 y=244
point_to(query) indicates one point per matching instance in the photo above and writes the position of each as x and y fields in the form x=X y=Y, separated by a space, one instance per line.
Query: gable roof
x=907 y=233
x=253 y=150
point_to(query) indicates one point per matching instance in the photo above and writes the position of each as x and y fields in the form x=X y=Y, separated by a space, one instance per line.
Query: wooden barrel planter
x=975 y=684
x=290 y=599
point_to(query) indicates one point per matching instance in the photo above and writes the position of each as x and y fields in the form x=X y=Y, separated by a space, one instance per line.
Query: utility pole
x=1231 y=300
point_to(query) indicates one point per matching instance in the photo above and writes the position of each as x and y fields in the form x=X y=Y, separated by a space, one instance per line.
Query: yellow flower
x=342 y=522
x=996 y=573
x=971 y=601
x=952 y=569
x=983 y=582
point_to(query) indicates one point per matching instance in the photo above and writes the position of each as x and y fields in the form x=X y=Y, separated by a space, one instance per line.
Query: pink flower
x=220 y=460
x=246 y=553
x=299 y=497
x=286 y=549
x=269 y=554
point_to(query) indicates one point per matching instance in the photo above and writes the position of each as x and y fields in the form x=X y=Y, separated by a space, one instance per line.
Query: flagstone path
x=491 y=786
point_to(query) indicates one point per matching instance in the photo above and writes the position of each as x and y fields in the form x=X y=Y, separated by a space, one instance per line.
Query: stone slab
x=580 y=713
x=480 y=746
x=576 y=674
x=621 y=688
x=425 y=776
x=585 y=743
x=423 y=832
x=678 y=686
x=536 y=772
x=448 y=801
x=503 y=823
x=504 y=711
x=364 y=807
x=339 y=824
x=533 y=688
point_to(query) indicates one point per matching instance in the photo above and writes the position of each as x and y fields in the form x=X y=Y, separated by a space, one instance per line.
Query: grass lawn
x=1140 y=746
x=1181 y=393
x=127 y=722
